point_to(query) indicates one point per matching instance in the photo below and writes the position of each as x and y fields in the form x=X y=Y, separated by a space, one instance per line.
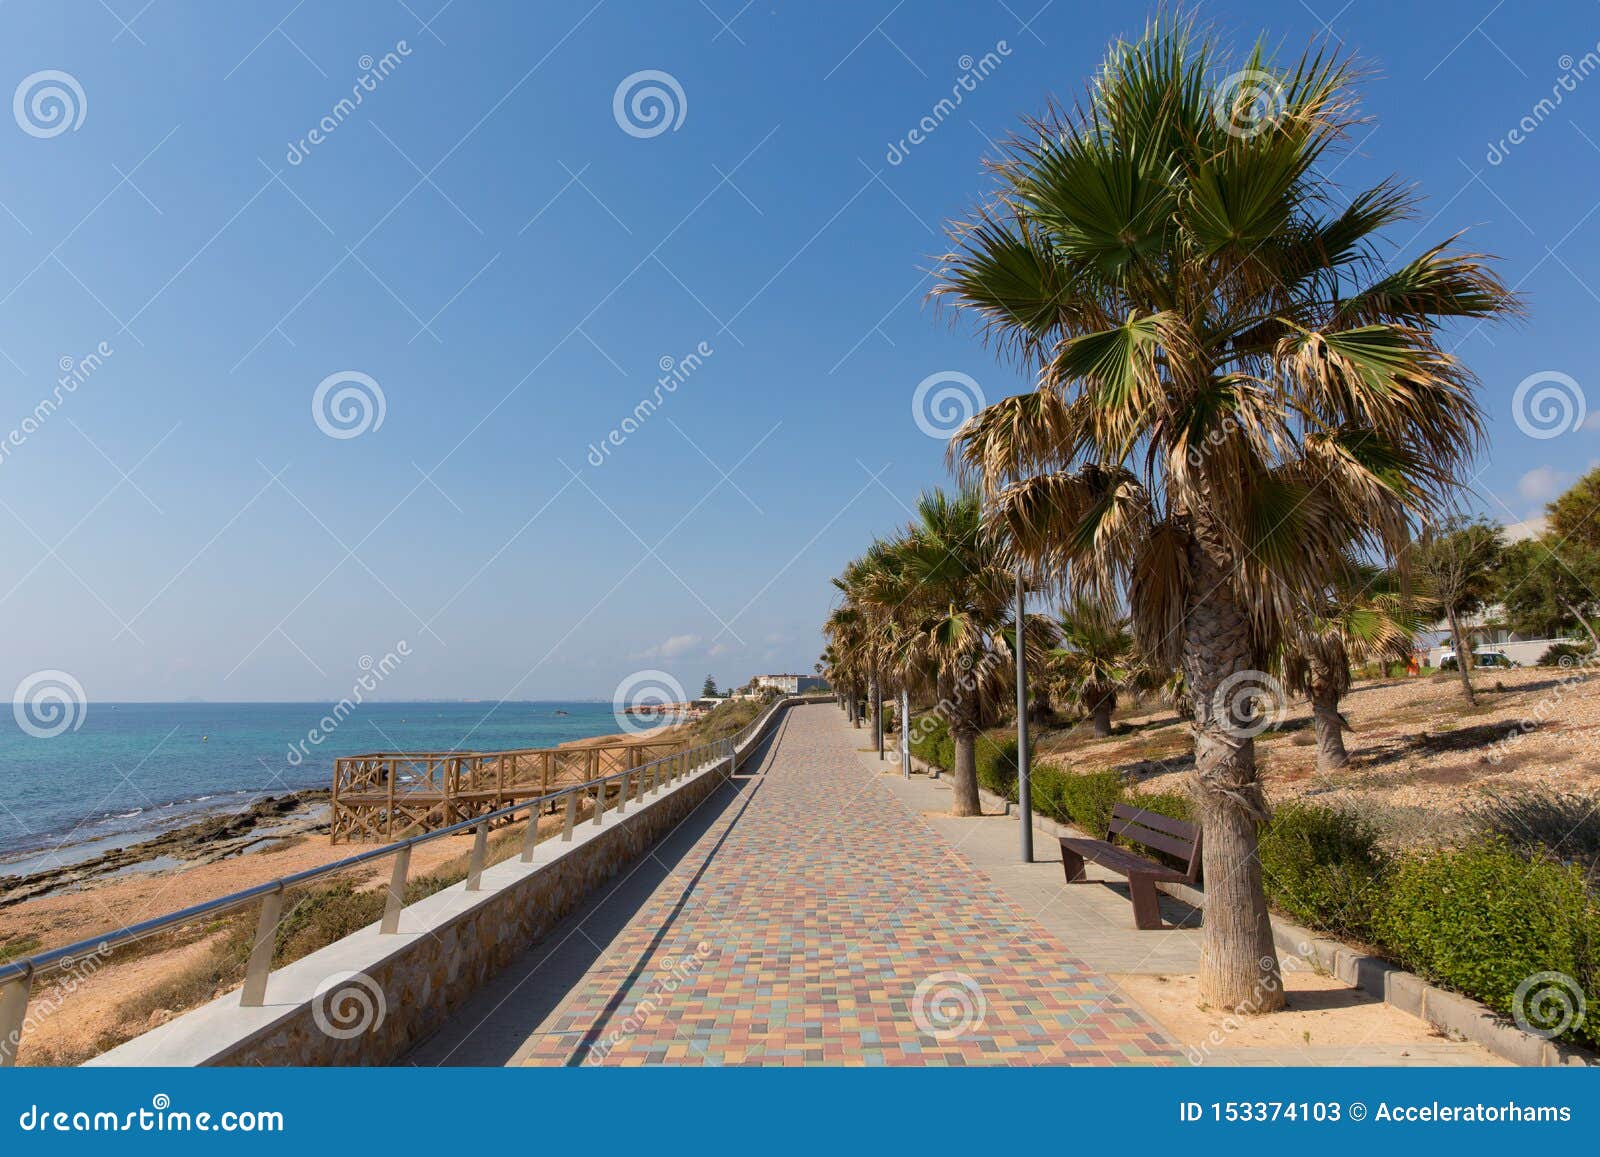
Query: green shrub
x=931 y=743
x=1563 y=654
x=17 y=946
x=997 y=763
x=1174 y=804
x=1045 y=786
x=1484 y=918
x=1324 y=868
x=1087 y=799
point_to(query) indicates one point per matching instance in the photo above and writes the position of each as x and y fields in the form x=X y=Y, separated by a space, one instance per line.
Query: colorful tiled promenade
x=817 y=920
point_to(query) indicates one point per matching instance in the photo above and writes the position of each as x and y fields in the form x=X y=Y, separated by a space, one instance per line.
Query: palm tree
x=1366 y=615
x=1457 y=558
x=954 y=614
x=845 y=629
x=1097 y=662
x=1234 y=387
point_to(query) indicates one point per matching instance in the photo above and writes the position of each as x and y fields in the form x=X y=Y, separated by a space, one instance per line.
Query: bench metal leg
x=1146 y=902
x=1072 y=864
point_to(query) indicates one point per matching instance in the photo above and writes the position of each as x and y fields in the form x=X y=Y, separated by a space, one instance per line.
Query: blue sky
x=482 y=239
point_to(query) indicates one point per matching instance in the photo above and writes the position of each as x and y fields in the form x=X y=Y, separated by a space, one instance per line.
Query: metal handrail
x=20 y=974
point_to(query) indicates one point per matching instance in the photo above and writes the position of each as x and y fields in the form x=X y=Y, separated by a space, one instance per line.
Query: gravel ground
x=1419 y=753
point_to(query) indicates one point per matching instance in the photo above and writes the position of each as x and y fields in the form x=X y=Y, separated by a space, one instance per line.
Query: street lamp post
x=1024 y=792
x=905 y=733
x=1024 y=787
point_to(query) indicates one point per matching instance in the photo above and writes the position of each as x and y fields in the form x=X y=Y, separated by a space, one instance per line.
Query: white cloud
x=678 y=644
x=1542 y=483
x=669 y=648
x=1528 y=528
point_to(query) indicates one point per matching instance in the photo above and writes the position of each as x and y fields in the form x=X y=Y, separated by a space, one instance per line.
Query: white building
x=792 y=684
x=1483 y=630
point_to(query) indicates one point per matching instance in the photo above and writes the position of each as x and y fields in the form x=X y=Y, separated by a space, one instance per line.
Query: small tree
x=1546 y=585
x=1365 y=614
x=1571 y=516
x=1456 y=559
x=1098 y=660
x=709 y=689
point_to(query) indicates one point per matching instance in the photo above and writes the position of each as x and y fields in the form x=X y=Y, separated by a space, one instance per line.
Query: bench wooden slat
x=1150 y=830
x=1150 y=819
x=1119 y=859
x=1151 y=838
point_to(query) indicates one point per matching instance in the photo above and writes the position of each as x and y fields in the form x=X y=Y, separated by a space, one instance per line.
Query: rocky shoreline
x=217 y=837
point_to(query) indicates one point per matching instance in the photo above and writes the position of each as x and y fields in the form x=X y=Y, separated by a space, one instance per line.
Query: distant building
x=792 y=684
x=1486 y=629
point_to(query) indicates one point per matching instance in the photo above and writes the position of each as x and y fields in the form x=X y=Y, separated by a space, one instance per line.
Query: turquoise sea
x=133 y=769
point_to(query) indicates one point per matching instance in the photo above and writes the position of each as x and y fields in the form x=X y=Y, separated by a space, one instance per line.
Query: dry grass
x=1422 y=759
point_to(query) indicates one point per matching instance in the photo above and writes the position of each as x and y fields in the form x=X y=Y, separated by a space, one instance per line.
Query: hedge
x=1323 y=867
x=1485 y=918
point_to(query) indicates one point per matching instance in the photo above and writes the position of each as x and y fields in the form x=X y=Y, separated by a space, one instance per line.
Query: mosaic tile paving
x=819 y=921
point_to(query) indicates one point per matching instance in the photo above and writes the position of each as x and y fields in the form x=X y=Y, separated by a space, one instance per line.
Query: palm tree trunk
x=962 y=719
x=1238 y=960
x=1100 y=713
x=877 y=713
x=1040 y=711
x=1463 y=656
x=1331 y=753
x=964 y=778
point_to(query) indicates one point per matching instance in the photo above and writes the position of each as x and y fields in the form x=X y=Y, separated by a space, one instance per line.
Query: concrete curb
x=1450 y=1012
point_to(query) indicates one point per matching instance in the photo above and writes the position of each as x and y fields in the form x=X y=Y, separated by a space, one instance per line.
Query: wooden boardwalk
x=388 y=795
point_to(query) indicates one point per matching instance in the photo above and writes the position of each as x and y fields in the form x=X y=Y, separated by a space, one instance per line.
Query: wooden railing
x=383 y=795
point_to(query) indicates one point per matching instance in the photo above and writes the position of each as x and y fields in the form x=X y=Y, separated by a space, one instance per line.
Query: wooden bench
x=1152 y=830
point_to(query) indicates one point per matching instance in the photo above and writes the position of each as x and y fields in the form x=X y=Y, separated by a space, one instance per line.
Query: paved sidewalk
x=1158 y=965
x=803 y=916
